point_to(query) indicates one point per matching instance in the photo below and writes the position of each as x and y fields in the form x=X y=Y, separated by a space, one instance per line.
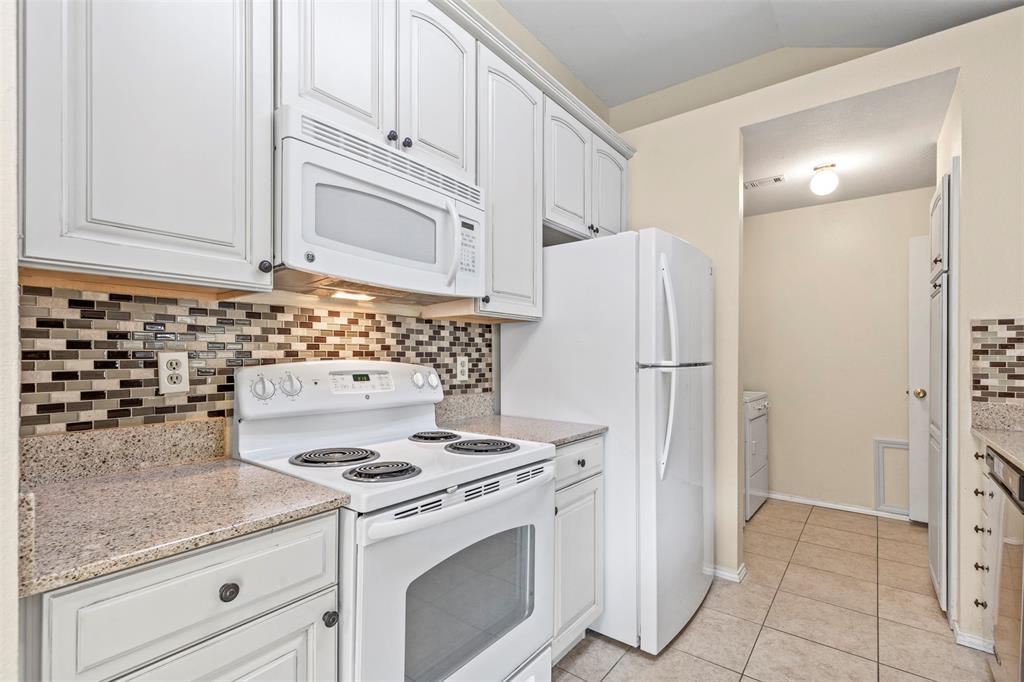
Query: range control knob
x=262 y=388
x=290 y=385
x=433 y=380
x=417 y=379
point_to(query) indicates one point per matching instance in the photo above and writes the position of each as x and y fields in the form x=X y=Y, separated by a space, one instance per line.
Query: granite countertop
x=76 y=530
x=526 y=428
x=1010 y=444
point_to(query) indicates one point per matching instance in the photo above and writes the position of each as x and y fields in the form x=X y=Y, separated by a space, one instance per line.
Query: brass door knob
x=920 y=393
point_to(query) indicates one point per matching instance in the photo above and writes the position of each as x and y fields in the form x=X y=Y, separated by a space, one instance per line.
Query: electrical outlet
x=462 y=368
x=172 y=371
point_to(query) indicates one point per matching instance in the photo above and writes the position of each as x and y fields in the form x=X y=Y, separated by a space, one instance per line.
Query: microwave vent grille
x=382 y=157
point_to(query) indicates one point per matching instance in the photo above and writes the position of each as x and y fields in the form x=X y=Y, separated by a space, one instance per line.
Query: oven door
x=463 y=592
x=346 y=219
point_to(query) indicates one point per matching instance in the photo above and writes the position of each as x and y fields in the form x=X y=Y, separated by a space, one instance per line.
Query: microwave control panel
x=467 y=256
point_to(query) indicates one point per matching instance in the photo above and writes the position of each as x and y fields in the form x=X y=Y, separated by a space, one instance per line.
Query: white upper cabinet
x=338 y=59
x=510 y=117
x=608 y=214
x=399 y=73
x=147 y=140
x=567 y=170
x=437 y=89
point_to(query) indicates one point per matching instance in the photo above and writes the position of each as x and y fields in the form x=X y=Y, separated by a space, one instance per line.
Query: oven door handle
x=382 y=530
x=456 y=240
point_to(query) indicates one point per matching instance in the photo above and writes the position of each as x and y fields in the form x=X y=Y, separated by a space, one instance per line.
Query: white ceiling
x=623 y=49
x=881 y=142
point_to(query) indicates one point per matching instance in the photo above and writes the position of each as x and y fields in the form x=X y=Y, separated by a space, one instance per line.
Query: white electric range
x=446 y=552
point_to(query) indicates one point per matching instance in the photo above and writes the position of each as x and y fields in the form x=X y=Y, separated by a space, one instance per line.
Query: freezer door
x=675 y=499
x=676 y=324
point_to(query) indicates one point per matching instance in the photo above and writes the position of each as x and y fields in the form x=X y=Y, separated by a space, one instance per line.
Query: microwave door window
x=352 y=219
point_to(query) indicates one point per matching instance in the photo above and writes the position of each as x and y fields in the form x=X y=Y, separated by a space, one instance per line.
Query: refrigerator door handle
x=669 y=424
x=670 y=303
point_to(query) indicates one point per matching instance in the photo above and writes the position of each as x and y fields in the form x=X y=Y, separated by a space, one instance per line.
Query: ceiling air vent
x=764 y=182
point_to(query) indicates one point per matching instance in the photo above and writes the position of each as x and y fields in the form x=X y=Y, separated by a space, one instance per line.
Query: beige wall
x=746 y=76
x=9 y=359
x=824 y=320
x=528 y=43
x=686 y=179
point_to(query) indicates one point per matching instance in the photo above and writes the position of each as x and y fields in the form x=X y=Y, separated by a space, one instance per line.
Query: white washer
x=755 y=409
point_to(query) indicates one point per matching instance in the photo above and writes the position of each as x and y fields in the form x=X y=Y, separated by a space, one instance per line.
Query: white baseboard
x=833 y=505
x=736 y=576
x=972 y=641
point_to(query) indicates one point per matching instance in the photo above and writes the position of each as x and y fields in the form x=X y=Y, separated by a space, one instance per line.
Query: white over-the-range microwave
x=355 y=216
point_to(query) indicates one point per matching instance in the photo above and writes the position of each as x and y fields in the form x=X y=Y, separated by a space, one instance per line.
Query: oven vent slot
x=383 y=157
x=524 y=476
x=481 y=490
x=428 y=506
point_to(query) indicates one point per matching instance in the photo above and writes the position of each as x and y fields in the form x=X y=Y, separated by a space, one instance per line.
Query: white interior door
x=675 y=499
x=917 y=376
x=937 y=448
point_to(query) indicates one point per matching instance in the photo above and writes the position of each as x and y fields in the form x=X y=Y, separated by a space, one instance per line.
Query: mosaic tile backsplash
x=89 y=358
x=997 y=373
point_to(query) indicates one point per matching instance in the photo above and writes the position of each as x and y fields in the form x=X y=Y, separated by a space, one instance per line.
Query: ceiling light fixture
x=349 y=296
x=824 y=181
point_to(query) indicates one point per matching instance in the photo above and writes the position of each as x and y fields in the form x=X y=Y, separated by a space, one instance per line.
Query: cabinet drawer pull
x=581 y=463
x=982 y=604
x=407 y=142
x=392 y=135
x=228 y=592
x=979 y=567
x=331 y=619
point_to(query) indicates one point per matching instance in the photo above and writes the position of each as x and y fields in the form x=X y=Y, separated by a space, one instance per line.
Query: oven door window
x=461 y=606
x=348 y=216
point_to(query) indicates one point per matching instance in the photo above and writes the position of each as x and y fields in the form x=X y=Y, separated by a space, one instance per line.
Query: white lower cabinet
x=294 y=644
x=579 y=558
x=258 y=607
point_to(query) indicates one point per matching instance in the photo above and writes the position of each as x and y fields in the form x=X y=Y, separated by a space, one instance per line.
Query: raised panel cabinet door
x=148 y=139
x=567 y=170
x=579 y=560
x=337 y=62
x=510 y=116
x=609 y=190
x=294 y=644
x=436 y=90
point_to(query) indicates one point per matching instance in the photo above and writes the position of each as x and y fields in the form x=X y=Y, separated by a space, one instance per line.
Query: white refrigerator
x=626 y=341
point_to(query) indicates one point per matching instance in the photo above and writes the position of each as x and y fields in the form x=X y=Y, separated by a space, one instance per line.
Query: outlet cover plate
x=174 y=380
x=462 y=368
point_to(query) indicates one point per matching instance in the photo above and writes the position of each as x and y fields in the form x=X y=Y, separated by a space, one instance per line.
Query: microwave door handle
x=670 y=304
x=669 y=423
x=456 y=241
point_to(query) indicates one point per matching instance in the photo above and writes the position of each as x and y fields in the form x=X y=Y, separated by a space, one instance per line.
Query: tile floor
x=829 y=595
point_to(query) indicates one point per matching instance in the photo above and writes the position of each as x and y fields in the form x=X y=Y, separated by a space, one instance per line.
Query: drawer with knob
x=577 y=461
x=106 y=627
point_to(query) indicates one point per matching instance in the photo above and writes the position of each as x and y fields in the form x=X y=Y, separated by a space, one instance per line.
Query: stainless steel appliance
x=1006 y=558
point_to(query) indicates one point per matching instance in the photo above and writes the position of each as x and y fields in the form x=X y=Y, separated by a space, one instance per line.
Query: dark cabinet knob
x=486 y=299
x=978 y=492
x=266 y=266
x=392 y=135
x=937 y=260
x=407 y=142
x=982 y=604
x=978 y=455
x=980 y=567
x=228 y=592
x=581 y=463
x=331 y=619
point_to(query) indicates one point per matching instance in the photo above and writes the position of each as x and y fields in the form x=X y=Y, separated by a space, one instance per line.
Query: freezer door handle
x=669 y=424
x=670 y=304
